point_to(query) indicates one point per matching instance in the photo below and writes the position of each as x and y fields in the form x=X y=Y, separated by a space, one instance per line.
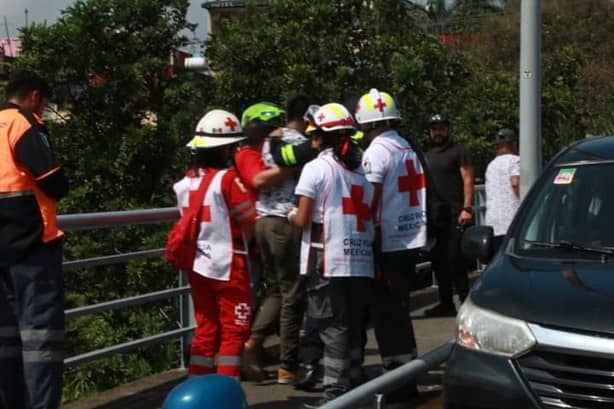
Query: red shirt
x=248 y=163
x=239 y=201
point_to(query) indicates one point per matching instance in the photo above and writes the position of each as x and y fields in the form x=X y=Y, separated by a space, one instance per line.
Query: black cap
x=505 y=135
x=438 y=119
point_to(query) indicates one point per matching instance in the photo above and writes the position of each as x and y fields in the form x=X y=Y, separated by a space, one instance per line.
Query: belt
x=8 y=195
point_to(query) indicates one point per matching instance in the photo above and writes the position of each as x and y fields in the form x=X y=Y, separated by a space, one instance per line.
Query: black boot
x=306 y=377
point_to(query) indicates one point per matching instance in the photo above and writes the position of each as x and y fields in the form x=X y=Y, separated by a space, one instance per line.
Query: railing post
x=380 y=401
x=187 y=318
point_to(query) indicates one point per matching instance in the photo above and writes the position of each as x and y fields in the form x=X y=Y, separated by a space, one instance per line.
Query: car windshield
x=572 y=216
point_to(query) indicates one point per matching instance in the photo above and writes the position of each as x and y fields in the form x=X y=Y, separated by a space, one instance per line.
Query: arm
x=302 y=217
x=467 y=172
x=241 y=206
x=254 y=173
x=377 y=198
x=34 y=152
x=270 y=177
x=515 y=182
x=288 y=155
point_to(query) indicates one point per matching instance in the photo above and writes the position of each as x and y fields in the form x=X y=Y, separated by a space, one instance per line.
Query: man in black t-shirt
x=452 y=172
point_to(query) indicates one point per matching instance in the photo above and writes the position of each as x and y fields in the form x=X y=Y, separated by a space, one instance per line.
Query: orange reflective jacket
x=15 y=177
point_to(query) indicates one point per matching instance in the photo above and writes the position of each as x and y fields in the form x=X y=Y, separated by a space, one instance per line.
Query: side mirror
x=477 y=243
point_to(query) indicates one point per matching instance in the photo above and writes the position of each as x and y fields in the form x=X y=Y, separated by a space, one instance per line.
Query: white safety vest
x=347 y=224
x=402 y=210
x=214 y=248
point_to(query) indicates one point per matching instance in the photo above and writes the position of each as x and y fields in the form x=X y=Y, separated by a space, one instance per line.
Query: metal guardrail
x=90 y=221
x=388 y=382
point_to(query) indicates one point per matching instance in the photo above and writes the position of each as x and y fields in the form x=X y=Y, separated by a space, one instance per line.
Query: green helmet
x=263 y=112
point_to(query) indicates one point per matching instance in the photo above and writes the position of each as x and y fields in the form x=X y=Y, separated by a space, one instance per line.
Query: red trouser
x=223 y=321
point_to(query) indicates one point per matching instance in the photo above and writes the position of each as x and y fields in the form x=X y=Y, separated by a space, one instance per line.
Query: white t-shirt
x=314 y=180
x=501 y=201
x=390 y=161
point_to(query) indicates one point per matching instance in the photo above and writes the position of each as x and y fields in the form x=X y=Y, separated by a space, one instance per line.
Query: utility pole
x=8 y=36
x=530 y=94
x=26 y=13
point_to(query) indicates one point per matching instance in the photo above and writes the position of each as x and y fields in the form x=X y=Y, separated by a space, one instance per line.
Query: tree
x=121 y=140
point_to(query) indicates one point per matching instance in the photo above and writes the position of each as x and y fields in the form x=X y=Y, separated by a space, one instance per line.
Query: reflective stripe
x=287 y=155
x=239 y=208
x=8 y=195
x=42 y=335
x=329 y=380
x=242 y=252
x=9 y=332
x=335 y=363
x=9 y=352
x=229 y=360
x=247 y=215
x=317 y=246
x=43 y=356
x=202 y=361
x=401 y=359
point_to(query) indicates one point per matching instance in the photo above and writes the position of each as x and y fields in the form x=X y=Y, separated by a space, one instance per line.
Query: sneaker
x=285 y=377
x=441 y=310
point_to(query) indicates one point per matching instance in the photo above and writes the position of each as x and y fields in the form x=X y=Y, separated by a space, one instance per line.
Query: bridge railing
x=92 y=221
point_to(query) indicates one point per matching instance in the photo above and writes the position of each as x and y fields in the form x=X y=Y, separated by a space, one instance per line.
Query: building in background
x=227 y=9
x=10 y=49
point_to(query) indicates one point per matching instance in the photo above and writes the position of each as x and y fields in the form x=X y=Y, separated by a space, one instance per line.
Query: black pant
x=449 y=265
x=312 y=348
x=390 y=308
x=32 y=329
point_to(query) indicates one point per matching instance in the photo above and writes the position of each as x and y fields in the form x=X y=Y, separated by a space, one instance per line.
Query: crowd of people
x=323 y=212
x=312 y=217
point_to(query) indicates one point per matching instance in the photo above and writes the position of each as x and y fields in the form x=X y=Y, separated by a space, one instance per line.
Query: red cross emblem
x=321 y=117
x=230 y=123
x=205 y=212
x=353 y=205
x=242 y=311
x=380 y=105
x=412 y=183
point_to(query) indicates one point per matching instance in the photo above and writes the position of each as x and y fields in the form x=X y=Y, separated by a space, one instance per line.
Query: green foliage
x=121 y=140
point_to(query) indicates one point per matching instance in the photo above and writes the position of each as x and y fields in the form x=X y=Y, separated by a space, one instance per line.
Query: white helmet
x=376 y=106
x=333 y=117
x=216 y=128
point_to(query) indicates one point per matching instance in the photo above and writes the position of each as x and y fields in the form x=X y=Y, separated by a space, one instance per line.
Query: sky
x=41 y=10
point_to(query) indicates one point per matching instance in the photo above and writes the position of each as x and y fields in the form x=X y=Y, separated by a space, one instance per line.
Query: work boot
x=306 y=377
x=251 y=368
x=285 y=376
x=441 y=310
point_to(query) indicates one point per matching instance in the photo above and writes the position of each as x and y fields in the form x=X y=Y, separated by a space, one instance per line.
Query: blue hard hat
x=206 y=392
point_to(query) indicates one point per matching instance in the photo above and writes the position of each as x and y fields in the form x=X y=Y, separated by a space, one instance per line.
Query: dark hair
x=216 y=157
x=345 y=151
x=297 y=106
x=21 y=83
